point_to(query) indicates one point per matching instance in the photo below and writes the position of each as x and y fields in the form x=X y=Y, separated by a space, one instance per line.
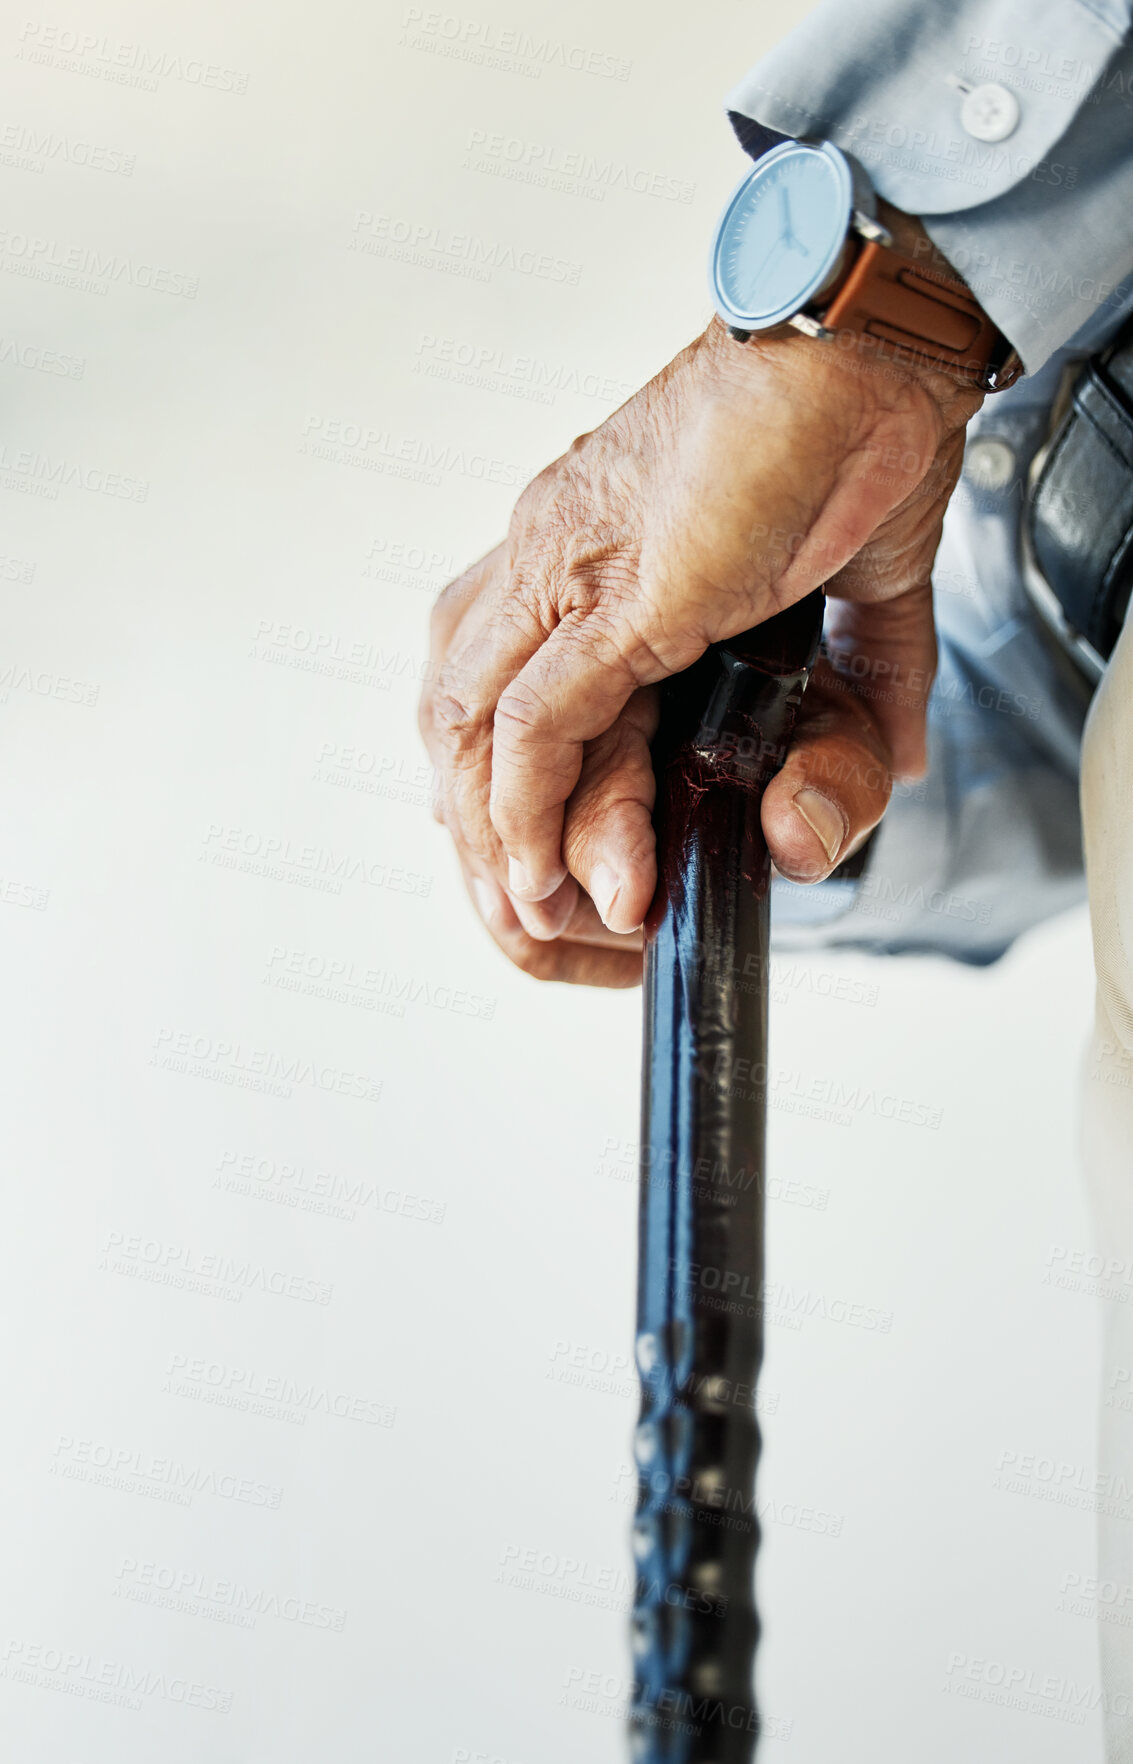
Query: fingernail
x=822 y=818
x=549 y=918
x=518 y=881
x=489 y=898
x=604 y=885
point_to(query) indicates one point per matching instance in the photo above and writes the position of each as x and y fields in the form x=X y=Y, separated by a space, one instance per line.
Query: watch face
x=781 y=235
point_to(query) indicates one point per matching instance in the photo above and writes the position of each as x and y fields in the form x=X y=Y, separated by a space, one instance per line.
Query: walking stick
x=724 y=732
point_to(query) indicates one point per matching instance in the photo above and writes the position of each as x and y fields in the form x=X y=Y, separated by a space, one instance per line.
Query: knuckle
x=455 y=717
x=521 y=712
x=651 y=652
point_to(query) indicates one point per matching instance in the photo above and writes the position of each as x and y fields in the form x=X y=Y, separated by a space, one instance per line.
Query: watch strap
x=916 y=310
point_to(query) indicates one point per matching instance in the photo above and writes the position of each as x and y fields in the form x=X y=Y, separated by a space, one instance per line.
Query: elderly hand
x=837 y=757
x=741 y=478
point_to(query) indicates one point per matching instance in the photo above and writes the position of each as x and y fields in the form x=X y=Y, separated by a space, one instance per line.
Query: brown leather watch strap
x=916 y=310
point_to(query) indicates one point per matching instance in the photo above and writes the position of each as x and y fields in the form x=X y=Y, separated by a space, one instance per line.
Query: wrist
x=849 y=369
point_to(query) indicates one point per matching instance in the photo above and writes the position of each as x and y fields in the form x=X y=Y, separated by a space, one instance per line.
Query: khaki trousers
x=1107 y=1141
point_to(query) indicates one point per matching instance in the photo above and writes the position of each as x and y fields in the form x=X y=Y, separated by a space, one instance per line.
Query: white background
x=163 y=733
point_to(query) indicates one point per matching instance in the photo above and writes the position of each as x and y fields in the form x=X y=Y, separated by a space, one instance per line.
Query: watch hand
x=760 y=272
x=788 y=231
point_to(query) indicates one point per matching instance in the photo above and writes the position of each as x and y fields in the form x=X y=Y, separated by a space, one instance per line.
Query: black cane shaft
x=725 y=728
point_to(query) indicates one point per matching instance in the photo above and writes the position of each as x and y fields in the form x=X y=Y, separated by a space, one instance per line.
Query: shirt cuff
x=1035 y=221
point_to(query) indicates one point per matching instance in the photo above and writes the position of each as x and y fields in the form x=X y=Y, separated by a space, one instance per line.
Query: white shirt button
x=989 y=463
x=989 y=113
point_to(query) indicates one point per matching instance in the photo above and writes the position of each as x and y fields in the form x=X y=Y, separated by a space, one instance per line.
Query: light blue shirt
x=1040 y=223
x=1037 y=221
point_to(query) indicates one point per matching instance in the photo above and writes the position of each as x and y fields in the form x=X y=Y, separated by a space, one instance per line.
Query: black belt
x=1078 y=521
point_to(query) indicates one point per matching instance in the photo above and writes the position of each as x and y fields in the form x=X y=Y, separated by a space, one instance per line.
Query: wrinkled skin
x=734 y=483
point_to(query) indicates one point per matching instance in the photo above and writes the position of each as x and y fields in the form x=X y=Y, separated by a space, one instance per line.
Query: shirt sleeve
x=1005 y=125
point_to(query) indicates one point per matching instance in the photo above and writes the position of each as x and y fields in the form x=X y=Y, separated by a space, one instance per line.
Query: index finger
x=570 y=692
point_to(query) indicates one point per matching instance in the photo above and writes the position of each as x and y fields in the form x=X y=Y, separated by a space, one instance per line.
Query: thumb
x=887 y=652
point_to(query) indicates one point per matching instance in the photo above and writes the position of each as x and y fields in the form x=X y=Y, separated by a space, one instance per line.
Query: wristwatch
x=800 y=244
